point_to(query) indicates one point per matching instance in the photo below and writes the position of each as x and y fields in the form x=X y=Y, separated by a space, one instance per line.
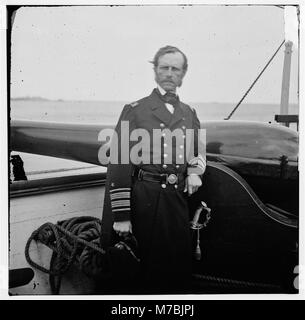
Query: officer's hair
x=168 y=49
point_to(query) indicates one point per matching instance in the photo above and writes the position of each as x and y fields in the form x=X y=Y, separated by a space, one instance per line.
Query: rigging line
x=244 y=96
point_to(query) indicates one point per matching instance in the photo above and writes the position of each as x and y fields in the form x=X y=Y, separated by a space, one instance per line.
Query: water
x=107 y=112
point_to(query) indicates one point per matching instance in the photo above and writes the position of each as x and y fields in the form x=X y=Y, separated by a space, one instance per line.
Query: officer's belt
x=170 y=178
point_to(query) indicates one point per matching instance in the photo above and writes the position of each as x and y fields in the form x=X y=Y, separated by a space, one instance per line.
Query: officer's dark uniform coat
x=158 y=212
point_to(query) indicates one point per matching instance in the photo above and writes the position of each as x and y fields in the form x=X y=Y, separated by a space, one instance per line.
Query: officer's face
x=169 y=72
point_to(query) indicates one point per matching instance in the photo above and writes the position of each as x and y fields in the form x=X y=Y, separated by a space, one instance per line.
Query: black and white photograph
x=152 y=150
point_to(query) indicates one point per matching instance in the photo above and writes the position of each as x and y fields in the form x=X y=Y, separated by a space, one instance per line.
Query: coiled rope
x=72 y=240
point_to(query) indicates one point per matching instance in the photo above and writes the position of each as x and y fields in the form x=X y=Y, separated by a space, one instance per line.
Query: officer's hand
x=122 y=227
x=192 y=183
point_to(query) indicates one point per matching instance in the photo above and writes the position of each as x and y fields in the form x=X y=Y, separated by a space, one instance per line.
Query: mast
x=292 y=20
x=286 y=80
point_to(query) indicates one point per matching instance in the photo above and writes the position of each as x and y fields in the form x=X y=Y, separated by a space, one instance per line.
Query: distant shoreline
x=32 y=99
x=124 y=102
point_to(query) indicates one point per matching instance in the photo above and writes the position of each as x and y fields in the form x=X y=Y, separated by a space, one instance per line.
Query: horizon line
x=38 y=98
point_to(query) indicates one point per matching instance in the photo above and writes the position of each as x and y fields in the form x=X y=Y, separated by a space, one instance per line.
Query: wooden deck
x=27 y=213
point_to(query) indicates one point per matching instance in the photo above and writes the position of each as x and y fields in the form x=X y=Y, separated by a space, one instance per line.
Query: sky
x=103 y=52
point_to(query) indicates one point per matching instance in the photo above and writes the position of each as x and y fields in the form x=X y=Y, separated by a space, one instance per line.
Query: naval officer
x=149 y=198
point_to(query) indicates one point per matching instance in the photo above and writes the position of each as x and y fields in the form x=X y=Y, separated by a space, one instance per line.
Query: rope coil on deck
x=73 y=240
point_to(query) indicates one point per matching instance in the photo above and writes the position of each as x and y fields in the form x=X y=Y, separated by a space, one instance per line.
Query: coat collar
x=160 y=111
